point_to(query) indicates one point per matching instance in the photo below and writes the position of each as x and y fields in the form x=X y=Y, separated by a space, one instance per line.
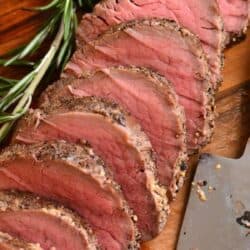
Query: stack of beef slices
x=75 y=177
x=118 y=139
x=200 y=17
x=97 y=164
x=166 y=48
x=149 y=98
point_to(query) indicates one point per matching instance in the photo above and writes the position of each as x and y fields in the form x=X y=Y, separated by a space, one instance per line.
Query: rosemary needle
x=39 y=73
x=16 y=95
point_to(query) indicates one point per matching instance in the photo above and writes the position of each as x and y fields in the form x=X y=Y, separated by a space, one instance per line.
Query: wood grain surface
x=17 y=26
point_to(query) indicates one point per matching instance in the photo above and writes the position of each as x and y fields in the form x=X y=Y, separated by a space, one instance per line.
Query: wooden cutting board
x=233 y=102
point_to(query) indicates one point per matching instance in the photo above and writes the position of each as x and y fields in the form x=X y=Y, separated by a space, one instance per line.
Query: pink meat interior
x=200 y=17
x=70 y=186
x=112 y=144
x=161 y=49
x=39 y=227
x=143 y=100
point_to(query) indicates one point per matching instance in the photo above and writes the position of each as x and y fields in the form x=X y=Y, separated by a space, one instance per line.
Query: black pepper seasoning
x=183 y=166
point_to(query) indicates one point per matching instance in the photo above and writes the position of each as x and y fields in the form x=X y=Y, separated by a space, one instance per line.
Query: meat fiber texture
x=149 y=98
x=117 y=138
x=7 y=242
x=166 y=48
x=235 y=17
x=75 y=177
x=44 y=222
x=200 y=17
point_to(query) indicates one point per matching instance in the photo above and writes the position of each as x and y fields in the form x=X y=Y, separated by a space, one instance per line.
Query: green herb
x=16 y=95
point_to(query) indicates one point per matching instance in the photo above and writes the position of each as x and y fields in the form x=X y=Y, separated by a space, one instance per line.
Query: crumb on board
x=201 y=194
x=246 y=223
x=210 y=188
x=218 y=166
x=202 y=183
x=244 y=220
x=198 y=185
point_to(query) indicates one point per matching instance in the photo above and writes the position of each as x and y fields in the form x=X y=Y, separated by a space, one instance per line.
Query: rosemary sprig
x=17 y=63
x=16 y=95
x=36 y=42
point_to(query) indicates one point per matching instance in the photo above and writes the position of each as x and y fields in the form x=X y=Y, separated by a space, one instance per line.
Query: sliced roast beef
x=118 y=139
x=8 y=242
x=235 y=17
x=148 y=97
x=51 y=225
x=200 y=17
x=167 y=48
x=75 y=177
